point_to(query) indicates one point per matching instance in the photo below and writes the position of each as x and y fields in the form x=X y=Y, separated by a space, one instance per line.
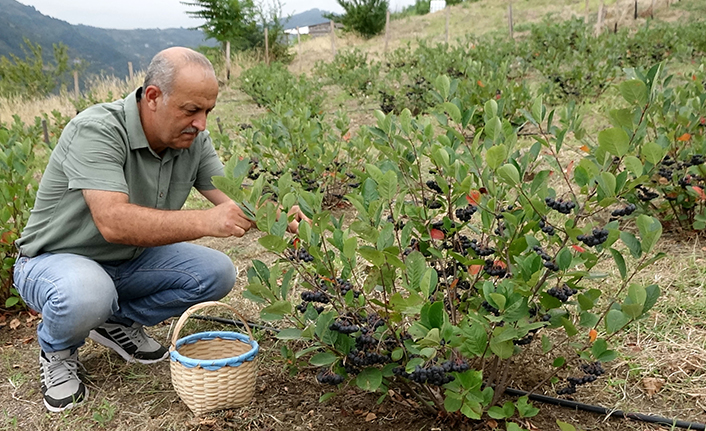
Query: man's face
x=181 y=115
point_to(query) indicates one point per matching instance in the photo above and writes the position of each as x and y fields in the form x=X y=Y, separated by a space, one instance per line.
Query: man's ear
x=152 y=95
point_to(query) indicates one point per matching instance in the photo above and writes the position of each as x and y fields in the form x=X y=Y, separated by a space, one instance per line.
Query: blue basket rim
x=215 y=364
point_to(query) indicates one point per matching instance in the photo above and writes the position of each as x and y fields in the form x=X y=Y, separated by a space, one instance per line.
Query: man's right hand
x=229 y=220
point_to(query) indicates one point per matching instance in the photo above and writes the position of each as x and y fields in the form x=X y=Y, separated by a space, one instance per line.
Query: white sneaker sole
x=107 y=342
x=70 y=406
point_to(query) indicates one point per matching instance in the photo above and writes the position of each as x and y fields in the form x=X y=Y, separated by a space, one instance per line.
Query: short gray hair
x=163 y=68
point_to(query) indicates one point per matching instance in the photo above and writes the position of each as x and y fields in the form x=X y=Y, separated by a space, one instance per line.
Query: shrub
x=364 y=17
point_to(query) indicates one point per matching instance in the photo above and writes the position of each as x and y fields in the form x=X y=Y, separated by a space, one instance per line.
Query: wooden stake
x=387 y=29
x=220 y=126
x=267 y=47
x=586 y=12
x=299 y=45
x=599 y=23
x=652 y=10
x=129 y=70
x=228 y=61
x=333 y=39
x=448 y=14
x=509 y=20
x=77 y=93
x=634 y=15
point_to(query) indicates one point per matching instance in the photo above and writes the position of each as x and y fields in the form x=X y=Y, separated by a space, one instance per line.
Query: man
x=104 y=253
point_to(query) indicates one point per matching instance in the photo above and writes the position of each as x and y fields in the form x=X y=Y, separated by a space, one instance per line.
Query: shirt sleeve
x=210 y=166
x=95 y=157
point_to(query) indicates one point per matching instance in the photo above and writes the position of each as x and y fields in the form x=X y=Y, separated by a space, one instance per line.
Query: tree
x=32 y=77
x=231 y=21
x=365 y=17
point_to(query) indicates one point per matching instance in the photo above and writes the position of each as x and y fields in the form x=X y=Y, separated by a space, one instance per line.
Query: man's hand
x=227 y=219
x=293 y=226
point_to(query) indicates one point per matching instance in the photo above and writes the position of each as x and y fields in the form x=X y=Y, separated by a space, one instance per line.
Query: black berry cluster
x=696 y=159
x=597 y=236
x=524 y=340
x=298 y=255
x=645 y=194
x=551 y=265
x=464 y=242
x=463 y=285
x=327 y=377
x=434 y=186
x=594 y=368
x=345 y=286
x=588 y=378
x=361 y=358
x=627 y=210
x=318 y=296
x=344 y=326
x=481 y=250
x=302 y=308
x=486 y=305
x=494 y=269
x=562 y=293
x=440 y=225
x=562 y=206
x=433 y=375
x=432 y=204
x=540 y=251
x=399 y=225
x=546 y=228
x=465 y=213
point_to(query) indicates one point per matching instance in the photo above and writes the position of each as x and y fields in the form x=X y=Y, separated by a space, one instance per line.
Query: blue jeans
x=75 y=294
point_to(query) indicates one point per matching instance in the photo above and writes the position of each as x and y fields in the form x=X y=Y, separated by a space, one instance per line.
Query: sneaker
x=61 y=387
x=131 y=342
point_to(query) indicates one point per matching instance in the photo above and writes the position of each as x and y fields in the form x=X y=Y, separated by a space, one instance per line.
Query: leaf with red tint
x=473 y=197
x=570 y=168
x=700 y=192
x=437 y=234
x=685 y=137
x=578 y=248
x=474 y=269
x=585 y=149
x=296 y=243
x=500 y=264
x=480 y=84
x=453 y=284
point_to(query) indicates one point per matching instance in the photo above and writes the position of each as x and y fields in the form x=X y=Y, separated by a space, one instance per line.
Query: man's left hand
x=293 y=226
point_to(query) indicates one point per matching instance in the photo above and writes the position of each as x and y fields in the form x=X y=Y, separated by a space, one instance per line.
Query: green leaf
x=369 y=379
x=620 y=262
x=495 y=156
x=416 y=267
x=634 y=165
x=563 y=426
x=326 y=396
x=289 y=334
x=634 y=92
x=509 y=174
x=453 y=111
x=525 y=408
x=653 y=152
x=563 y=259
x=387 y=187
x=322 y=359
x=276 y=310
x=436 y=314
x=615 y=320
x=443 y=85
x=614 y=141
x=650 y=231
x=452 y=402
x=273 y=243
x=632 y=243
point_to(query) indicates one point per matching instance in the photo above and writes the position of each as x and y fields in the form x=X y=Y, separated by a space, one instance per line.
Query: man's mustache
x=191 y=130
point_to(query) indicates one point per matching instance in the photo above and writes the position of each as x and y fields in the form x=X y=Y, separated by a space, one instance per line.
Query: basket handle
x=182 y=320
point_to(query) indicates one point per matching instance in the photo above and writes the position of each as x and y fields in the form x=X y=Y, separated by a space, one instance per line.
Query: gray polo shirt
x=105 y=148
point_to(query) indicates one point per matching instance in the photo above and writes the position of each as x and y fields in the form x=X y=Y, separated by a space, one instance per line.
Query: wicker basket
x=213 y=370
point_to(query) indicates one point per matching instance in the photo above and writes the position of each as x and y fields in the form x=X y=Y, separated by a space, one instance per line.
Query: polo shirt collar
x=135 y=133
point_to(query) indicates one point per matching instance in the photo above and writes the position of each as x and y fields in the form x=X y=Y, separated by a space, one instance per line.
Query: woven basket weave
x=213 y=370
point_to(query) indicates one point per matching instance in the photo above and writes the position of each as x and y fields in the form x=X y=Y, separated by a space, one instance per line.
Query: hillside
x=106 y=51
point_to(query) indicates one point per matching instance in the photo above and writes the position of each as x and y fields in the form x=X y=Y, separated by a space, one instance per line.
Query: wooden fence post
x=227 y=60
x=387 y=29
x=77 y=93
x=448 y=14
x=129 y=70
x=634 y=15
x=599 y=23
x=299 y=45
x=267 y=47
x=585 y=8
x=333 y=39
x=652 y=10
x=220 y=126
x=509 y=20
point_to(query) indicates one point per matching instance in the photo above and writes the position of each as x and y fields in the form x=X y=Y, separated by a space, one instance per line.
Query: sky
x=131 y=14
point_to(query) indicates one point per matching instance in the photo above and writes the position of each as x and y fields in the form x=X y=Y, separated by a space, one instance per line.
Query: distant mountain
x=310 y=17
x=106 y=51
